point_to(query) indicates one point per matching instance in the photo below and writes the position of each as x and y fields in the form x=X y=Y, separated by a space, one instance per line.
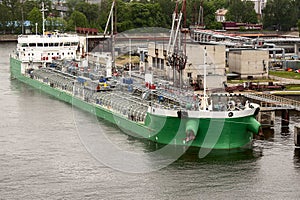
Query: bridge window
x=74 y=43
x=32 y=44
x=51 y=45
x=40 y=45
x=67 y=44
x=24 y=45
x=56 y=44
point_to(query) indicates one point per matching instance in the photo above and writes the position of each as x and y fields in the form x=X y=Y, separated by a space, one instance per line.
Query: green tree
x=56 y=23
x=77 y=19
x=71 y=4
x=215 y=25
x=124 y=20
x=35 y=16
x=209 y=15
x=13 y=15
x=27 y=7
x=4 y=18
x=146 y=15
x=139 y=14
x=209 y=9
x=91 y=11
x=135 y=15
x=280 y=14
x=167 y=8
x=241 y=11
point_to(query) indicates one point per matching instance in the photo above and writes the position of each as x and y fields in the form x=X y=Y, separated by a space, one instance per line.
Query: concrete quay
x=8 y=38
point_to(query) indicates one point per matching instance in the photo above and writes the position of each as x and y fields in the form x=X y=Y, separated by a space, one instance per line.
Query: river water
x=45 y=154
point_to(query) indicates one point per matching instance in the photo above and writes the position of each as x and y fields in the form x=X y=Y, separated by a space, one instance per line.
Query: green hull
x=212 y=133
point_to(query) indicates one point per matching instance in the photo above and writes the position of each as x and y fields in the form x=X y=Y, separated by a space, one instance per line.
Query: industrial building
x=248 y=63
x=194 y=70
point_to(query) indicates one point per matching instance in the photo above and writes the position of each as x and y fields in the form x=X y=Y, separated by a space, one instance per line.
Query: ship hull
x=207 y=132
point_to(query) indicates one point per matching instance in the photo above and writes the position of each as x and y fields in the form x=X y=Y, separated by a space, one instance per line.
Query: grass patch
x=248 y=80
x=285 y=74
x=292 y=87
x=124 y=59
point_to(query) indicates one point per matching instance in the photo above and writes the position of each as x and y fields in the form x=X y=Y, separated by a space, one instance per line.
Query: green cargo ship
x=152 y=113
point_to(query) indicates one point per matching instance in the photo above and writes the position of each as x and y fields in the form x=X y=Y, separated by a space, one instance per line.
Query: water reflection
x=191 y=154
x=267 y=134
x=297 y=157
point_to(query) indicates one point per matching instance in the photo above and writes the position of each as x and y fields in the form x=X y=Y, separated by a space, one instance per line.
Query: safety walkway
x=272 y=102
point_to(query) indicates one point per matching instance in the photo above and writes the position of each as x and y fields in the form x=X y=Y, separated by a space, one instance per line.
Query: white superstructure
x=35 y=51
x=46 y=48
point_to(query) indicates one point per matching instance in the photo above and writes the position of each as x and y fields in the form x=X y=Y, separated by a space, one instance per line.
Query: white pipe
x=176 y=33
x=204 y=81
x=171 y=35
x=109 y=17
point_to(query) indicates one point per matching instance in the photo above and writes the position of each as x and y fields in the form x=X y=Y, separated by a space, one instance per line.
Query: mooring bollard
x=297 y=135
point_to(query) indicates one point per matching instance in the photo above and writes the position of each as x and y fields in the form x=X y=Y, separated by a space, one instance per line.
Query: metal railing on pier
x=275 y=102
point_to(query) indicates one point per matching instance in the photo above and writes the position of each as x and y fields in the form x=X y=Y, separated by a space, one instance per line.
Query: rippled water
x=43 y=156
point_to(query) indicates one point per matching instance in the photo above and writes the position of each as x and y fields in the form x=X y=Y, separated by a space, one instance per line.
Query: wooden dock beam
x=297 y=135
x=285 y=121
x=266 y=119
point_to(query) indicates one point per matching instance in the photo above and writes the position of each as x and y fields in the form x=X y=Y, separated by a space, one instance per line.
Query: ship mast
x=43 y=15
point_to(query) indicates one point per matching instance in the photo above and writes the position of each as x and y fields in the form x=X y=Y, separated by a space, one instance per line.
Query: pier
x=8 y=38
x=297 y=135
x=271 y=102
x=269 y=105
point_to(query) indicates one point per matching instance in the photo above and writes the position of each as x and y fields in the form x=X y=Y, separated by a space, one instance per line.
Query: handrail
x=276 y=100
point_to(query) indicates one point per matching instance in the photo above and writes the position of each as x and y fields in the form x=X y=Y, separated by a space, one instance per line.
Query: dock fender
x=253 y=125
x=191 y=129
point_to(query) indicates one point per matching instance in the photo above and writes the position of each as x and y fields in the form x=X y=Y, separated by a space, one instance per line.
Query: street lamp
x=36 y=24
